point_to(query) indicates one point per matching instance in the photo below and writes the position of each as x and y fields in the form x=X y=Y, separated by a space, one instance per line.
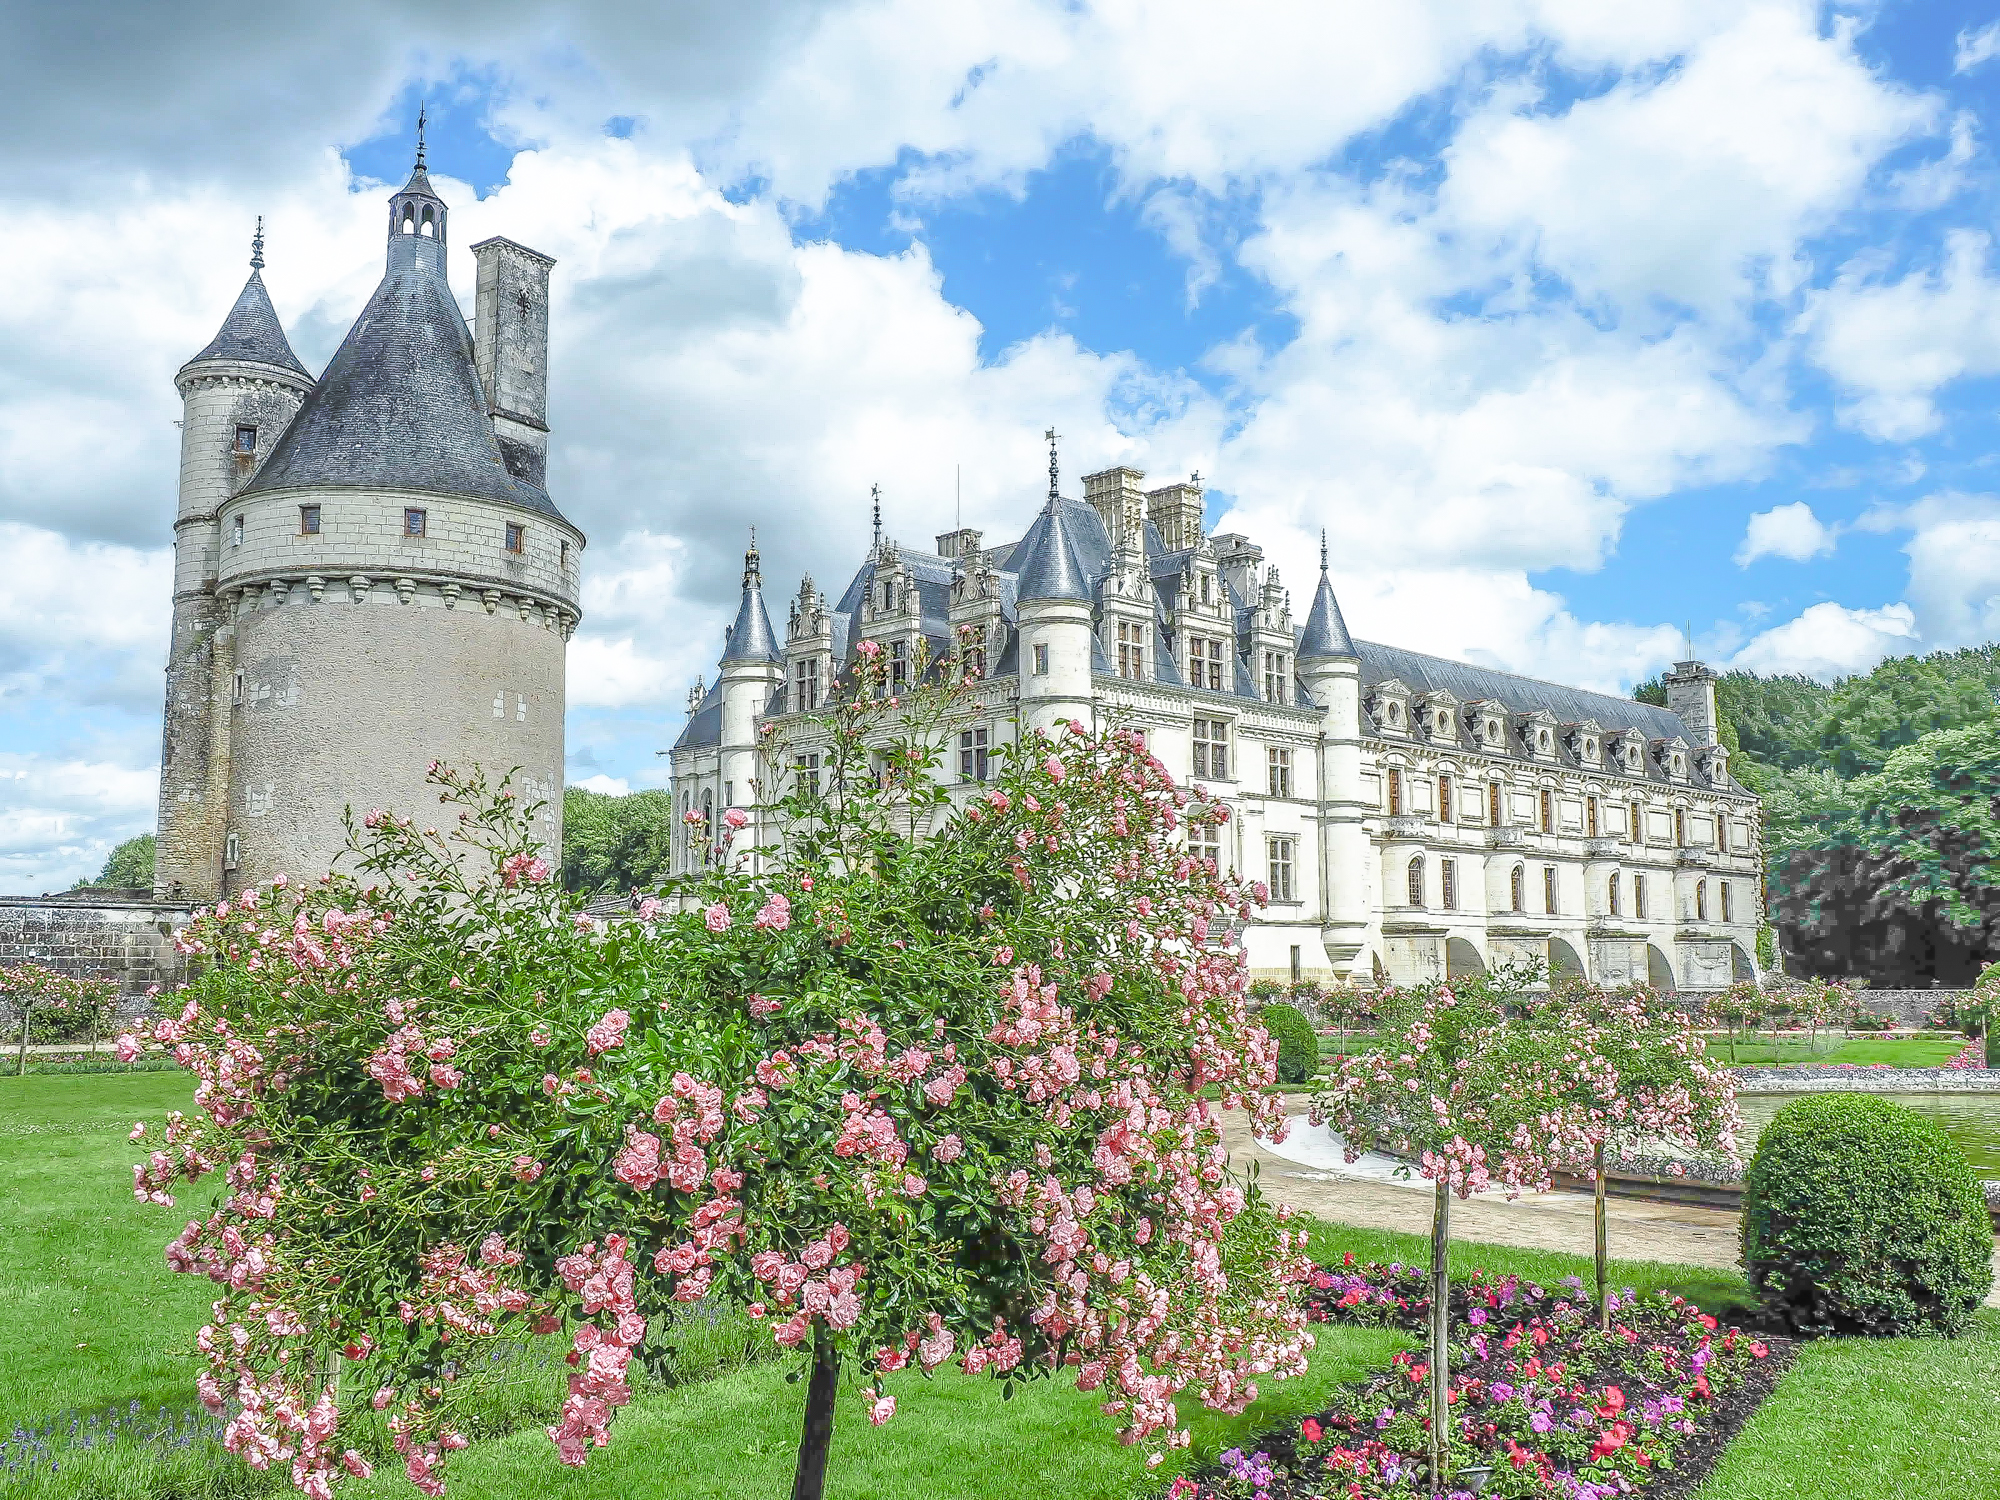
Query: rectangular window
x=1298 y=969
x=805 y=684
x=1450 y=871
x=899 y=665
x=1395 y=792
x=1548 y=811
x=1444 y=799
x=236 y=532
x=1549 y=889
x=1276 y=675
x=973 y=755
x=1041 y=661
x=1721 y=834
x=229 y=850
x=1211 y=749
x=516 y=536
x=1205 y=842
x=1281 y=771
x=236 y=691
x=1635 y=826
x=1611 y=893
x=565 y=554
x=806 y=769
x=1205 y=663
x=1131 y=650
x=1727 y=914
x=415 y=522
x=1639 y=896
x=1279 y=852
x=1590 y=817
x=246 y=440
x=972 y=650
x=308 y=520
x=1493 y=804
x=1680 y=828
x=1701 y=900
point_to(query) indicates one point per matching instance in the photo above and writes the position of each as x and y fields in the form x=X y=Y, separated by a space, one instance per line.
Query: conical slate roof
x=401 y=405
x=1047 y=560
x=252 y=332
x=1325 y=632
x=751 y=637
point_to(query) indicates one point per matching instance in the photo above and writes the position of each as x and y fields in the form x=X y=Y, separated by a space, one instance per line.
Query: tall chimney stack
x=511 y=343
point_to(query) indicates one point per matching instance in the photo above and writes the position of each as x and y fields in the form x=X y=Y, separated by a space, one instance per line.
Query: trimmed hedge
x=1860 y=1216
x=1298 y=1043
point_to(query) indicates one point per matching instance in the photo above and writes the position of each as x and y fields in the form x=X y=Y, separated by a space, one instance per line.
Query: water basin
x=1973 y=1120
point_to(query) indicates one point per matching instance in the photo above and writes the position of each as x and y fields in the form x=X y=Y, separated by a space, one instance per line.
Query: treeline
x=1880 y=796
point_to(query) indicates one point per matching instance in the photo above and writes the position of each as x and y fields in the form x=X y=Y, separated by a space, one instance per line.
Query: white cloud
x=1975 y=47
x=610 y=786
x=1892 y=346
x=60 y=817
x=1954 y=553
x=1790 y=531
x=1830 y=640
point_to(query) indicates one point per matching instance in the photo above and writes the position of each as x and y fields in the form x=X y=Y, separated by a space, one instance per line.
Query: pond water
x=1973 y=1120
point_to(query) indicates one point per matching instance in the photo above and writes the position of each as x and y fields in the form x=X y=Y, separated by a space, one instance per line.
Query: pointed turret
x=751 y=637
x=1050 y=567
x=1326 y=632
x=252 y=333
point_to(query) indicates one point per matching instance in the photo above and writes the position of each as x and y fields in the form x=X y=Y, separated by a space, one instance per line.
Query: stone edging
x=1820 y=1079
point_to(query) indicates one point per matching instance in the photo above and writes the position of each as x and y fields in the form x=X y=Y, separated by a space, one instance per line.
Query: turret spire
x=1322 y=549
x=751 y=637
x=257 y=246
x=1053 y=493
x=875 y=493
x=423 y=111
x=1325 y=634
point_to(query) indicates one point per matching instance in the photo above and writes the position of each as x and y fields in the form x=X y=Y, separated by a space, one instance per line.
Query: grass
x=92 y=1318
x=1911 y=1052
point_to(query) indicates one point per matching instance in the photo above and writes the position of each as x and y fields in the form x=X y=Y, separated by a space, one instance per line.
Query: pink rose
x=736 y=817
x=717 y=917
x=128 y=1047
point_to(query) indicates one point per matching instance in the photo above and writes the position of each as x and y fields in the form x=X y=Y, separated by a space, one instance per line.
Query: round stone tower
x=392 y=585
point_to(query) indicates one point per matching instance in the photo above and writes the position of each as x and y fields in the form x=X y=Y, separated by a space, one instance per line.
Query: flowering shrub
x=913 y=1101
x=1460 y=1086
x=58 y=1007
x=1553 y=1404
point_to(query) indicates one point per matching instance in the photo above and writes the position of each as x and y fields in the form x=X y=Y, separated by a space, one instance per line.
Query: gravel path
x=1677 y=1233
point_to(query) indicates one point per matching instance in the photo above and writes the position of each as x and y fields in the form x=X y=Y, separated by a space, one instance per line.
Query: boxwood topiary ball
x=1860 y=1216
x=1298 y=1043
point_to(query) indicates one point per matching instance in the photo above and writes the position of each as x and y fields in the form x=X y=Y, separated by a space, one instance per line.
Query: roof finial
x=257 y=246
x=1322 y=549
x=1051 y=436
x=875 y=494
x=1195 y=479
x=752 y=575
x=423 y=114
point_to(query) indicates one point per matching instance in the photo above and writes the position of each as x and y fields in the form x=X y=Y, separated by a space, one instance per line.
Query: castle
x=368 y=571
x=1412 y=817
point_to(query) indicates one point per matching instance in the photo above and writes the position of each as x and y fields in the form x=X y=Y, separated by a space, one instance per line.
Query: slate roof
x=1325 y=634
x=1050 y=566
x=252 y=332
x=751 y=637
x=401 y=406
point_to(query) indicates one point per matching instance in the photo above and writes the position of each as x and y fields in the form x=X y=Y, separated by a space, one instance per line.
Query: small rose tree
x=1453 y=1084
x=913 y=1101
x=1622 y=1069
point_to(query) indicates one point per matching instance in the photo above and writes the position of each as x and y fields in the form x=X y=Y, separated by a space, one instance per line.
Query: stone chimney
x=1691 y=697
x=511 y=345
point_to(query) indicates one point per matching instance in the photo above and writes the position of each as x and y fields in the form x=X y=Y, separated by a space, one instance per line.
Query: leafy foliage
x=59 y=1007
x=612 y=845
x=129 y=866
x=1298 y=1043
x=1860 y=1216
x=908 y=1098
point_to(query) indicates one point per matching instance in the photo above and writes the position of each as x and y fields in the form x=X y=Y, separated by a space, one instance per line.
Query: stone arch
x=1461 y=959
x=1563 y=960
x=1739 y=963
x=1659 y=972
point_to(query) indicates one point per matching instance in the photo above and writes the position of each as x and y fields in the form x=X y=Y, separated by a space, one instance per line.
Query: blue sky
x=1577 y=327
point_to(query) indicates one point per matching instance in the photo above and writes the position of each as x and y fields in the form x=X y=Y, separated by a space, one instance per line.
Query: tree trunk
x=1440 y=1443
x=21 y=1064
x=1603 y=1291
x=809 y=1479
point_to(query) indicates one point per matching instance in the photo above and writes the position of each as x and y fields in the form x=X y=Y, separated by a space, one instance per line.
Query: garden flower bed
x=1551 y=1404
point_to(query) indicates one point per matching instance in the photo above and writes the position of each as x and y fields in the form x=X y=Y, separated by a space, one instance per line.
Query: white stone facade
x=1413 y=817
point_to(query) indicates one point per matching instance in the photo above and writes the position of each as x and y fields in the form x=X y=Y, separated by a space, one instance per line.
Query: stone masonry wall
x=122 y=934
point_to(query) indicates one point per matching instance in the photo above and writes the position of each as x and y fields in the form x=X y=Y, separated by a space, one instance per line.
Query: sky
x=1582 y=330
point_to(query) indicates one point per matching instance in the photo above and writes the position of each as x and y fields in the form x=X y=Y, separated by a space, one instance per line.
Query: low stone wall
x=124 y=934
x=1821 y=1078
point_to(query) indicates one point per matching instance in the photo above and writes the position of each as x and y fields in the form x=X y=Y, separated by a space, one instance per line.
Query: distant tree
x=129 y=866
x=1901 y=701
x=611 y=844
x=1893 y=876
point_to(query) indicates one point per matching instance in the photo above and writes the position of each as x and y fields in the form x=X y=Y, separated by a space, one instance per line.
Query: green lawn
x=92 y=1318
x=1913 y=1052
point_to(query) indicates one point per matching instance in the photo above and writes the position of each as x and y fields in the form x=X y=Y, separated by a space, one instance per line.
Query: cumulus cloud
x=1791 y=531
x=60 y=817
x=609 y=786
x=1830 y=640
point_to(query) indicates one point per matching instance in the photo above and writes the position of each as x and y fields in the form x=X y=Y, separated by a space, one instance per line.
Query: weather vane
x=423 y=113
x=1051 y=436
x=875 y=493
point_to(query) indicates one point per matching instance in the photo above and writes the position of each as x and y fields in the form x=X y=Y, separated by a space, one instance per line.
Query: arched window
x=1417 y=881
x=1701 y=900
x=1548 y=811
x=1611 y=894
x=1518 y=887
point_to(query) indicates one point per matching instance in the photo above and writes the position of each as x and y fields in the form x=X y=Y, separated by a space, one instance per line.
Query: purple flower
x=1477 y=1315
x=1540 y=1421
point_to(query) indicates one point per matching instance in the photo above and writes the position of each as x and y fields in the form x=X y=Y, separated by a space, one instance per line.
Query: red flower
x=1759 y=1350
x=1612 y=1441
x=1310 y=1430
x=1614 y=1402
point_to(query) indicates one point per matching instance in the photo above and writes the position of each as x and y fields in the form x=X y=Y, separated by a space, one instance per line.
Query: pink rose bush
x=807 y=1088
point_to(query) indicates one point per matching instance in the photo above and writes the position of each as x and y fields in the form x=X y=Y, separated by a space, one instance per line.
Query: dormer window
x=1544 y=742
x=1395 y=709
x=805 y=685
x=246 y=440
x=1493 y=731
x=1206 y=597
